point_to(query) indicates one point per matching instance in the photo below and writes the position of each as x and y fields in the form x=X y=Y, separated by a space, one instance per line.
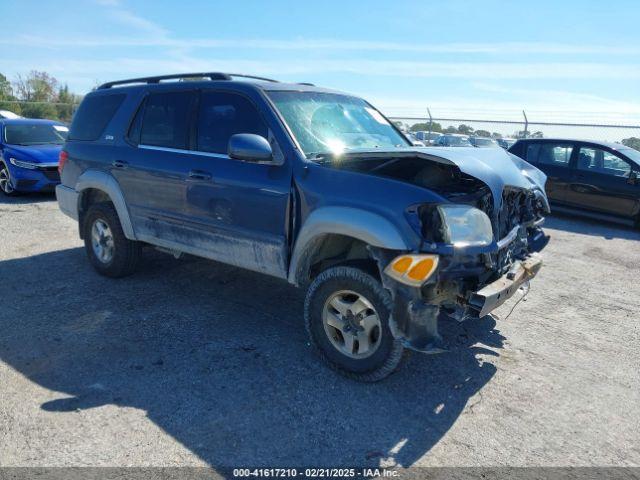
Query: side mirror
x=249 y=148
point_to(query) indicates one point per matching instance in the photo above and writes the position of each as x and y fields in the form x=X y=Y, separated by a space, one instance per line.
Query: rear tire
x=109 y=251
x=359 y=343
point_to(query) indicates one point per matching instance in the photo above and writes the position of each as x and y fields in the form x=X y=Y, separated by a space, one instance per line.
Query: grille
x=51 y=174
x=517 y=207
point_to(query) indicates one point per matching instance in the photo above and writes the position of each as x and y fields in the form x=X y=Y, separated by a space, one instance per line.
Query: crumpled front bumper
x=460 y=290
x=496 y=293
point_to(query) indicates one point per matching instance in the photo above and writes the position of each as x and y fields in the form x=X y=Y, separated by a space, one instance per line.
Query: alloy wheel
x=352 y=324
x=102 y=241
x=5 y=181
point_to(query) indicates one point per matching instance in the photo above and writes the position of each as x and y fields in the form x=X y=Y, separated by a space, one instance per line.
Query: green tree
x=482 y=133
x=7 y=99
x=632 y=142
x=465 y=129
x=450 y=130
x=37 y=92
x=417 y=127
x=528 y=134
x=66 y=103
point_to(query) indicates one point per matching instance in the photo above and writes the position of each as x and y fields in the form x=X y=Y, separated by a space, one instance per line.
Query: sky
x=559 y=60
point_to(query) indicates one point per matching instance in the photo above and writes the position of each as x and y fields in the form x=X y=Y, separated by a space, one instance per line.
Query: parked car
x=506 y=143
x=309 y=185
x=413 y=140
x=598 y=179
x=8 y=114
x=453 y=140
x=428 y=138
x=483 y=142
x=29 y=151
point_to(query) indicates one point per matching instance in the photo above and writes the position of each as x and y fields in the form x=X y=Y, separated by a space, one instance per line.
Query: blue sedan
x=29 y=151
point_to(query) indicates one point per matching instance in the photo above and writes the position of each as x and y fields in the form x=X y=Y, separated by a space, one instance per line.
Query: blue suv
x=29 y=151
x=309 y=185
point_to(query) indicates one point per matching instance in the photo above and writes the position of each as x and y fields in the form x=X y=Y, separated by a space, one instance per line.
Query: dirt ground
x=190 y=362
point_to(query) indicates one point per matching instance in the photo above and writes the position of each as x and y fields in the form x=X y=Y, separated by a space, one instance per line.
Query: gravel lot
x=190 y=362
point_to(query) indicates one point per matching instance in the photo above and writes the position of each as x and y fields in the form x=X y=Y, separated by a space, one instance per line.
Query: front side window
x=223 y=115
x=165 y=122
x=600 y=161
x=327 y=123
x=35 y=134
x=558 y=155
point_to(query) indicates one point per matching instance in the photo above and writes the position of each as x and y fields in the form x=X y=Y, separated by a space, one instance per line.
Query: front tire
x=109 y=251
x=347 y=319
x=5 y=182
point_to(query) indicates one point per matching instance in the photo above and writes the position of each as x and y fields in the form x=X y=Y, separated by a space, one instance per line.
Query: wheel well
x=330 y=250
x=89 y=197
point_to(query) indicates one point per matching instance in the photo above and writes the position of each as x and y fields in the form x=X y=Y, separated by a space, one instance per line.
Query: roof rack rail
x=178 y=76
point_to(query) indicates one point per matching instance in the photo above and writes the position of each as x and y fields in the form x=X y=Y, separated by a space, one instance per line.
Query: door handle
x=119 y=164
x=199 y=175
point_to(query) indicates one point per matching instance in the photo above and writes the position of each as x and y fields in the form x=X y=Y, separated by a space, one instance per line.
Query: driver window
x=600 y=161
x=222 y=115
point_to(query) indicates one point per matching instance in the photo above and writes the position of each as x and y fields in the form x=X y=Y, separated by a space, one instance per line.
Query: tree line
x=632 y=142
x=38 y=95
x=469 y=130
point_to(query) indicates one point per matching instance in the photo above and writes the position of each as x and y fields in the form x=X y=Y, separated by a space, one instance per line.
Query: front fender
x=108 y=184
x=368 y=227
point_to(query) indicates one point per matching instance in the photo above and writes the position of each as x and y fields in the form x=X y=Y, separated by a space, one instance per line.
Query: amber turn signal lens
x=402 y=264
x=412 y=269
x=422 y=269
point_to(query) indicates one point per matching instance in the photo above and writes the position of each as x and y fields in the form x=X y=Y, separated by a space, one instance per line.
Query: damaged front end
x=482 y=239
x=476 y=272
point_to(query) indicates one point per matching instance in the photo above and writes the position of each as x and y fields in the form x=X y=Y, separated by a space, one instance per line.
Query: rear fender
x=108 y=184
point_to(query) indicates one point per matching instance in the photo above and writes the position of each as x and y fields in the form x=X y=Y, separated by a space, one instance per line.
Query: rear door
x=154 y=173
x=601 y=182
x=554 y=159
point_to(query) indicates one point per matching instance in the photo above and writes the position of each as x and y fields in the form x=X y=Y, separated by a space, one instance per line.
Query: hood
x=427 y=167
x=34 y=153
x=497 y=168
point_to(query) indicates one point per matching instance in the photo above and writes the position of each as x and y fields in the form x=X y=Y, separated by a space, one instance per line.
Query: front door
x=601 y=182
x=242 y=208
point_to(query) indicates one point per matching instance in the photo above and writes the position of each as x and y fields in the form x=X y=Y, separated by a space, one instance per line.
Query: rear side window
x=532 y=152
x=93 y=115
x=225 y=114
x=558 y=155
x=165 y=122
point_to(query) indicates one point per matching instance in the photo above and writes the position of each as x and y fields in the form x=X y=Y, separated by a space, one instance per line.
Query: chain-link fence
x=603 y=127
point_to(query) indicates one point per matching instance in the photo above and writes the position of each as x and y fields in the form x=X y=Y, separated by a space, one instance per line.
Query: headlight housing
x=464 y=226
x=23 y=164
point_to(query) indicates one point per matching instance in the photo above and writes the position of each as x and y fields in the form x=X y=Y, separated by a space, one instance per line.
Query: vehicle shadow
x=587 y=226
x=218 y=358
x=27 y=198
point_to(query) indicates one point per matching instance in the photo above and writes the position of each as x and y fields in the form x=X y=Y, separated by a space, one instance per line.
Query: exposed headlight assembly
x=23 y=164
x=464 y=226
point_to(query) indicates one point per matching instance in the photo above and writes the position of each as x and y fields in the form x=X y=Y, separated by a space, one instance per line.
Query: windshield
x=631 y=153
x=458 y=141
x=330 y=123
x=485 y=142
x=35 y=134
